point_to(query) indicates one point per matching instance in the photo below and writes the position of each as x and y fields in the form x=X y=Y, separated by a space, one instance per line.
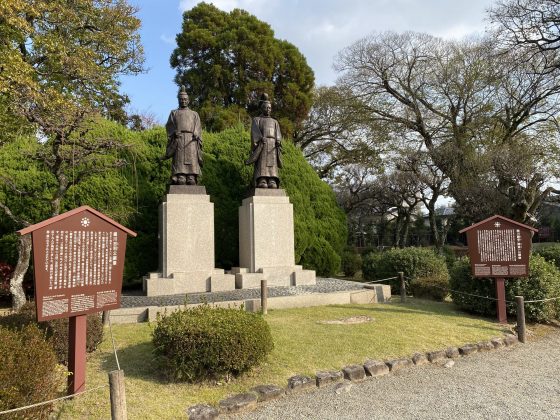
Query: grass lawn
x=302 y=346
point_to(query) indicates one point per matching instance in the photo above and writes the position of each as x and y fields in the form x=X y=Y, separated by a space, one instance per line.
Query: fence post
x=105 y=318
x=403 y=287
x=520 y=301
x=264 y=297
x=118 y=396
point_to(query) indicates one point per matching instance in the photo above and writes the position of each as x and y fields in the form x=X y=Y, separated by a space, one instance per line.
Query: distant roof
x=63 y=216
x=501 y=218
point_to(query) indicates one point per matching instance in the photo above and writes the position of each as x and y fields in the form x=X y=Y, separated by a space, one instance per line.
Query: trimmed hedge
x=56 y=329
x=436 y=288
x=351 y=262
x=542 y=283
x=550 y=253
x=208 y=342
x=415 y=263
x=28 y=372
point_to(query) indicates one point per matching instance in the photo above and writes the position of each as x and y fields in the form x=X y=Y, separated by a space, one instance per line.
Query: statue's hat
x=183 y=92
x=264 y=99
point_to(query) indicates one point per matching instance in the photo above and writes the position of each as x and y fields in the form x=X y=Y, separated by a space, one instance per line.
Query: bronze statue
x=184 y=143
x=266 y=141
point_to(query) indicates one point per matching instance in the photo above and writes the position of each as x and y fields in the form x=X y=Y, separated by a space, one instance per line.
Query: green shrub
x=550 y=253
x=28 y=372
x=436 y=288
x=321 y=257
x=413 y=262
x=56 y=329
x=206 y=342
x=543 y=282
x=351 y=262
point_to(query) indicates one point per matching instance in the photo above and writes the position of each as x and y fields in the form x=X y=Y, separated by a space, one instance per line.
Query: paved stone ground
x=519 y=382
x=324 y=285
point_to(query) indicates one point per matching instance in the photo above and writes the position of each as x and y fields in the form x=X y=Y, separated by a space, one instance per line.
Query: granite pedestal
x=266 y=242
x=186 y=246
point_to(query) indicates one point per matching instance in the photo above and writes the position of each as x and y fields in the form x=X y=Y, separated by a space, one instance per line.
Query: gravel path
x=324 y=285
x=519 y=382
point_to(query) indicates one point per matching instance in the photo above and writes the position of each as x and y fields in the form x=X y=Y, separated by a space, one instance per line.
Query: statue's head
x=266 y=106
x=183 y=97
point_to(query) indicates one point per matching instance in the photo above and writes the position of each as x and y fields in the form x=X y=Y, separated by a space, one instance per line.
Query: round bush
x=436 y=288
x=543 y=282
x=351 y=262
x=415 y=263
x=208 y=342
x=28 y=372
x=56 y=329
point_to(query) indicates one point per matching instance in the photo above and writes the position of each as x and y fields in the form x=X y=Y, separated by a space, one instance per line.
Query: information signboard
x=78 y=259
x=499 y=247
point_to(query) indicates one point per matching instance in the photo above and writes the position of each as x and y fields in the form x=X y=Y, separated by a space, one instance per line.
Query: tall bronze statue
x=184 y=143
x=266 y=150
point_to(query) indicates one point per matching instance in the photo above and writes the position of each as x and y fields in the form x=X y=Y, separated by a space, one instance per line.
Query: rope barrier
x=542 y=300
x=14 y=410
x=113 y=341
x=377 y=281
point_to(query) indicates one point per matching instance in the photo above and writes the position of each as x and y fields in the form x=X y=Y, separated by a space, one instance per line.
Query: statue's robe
x=184 y=134
x=266 y=148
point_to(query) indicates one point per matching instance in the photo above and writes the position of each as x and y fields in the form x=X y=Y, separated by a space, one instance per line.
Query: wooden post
x=105 y=318
x=77 y=353
x=403 y=287
x=501 y=295
x=520 y=301
x=264 y=297
x=118 y=395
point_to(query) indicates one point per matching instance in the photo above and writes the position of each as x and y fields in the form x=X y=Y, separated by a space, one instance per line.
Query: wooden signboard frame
x=499 y=248
x=78 y=259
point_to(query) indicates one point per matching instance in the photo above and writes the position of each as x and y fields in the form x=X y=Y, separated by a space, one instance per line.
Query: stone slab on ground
x=375 y=368
x=354 y=373
x=420 y=359
x=510 y=340
x=324 y=378
x=497 y=342
x=485 y=346
x=238 y=403
x=452 y=352
x=202 y=412
x=468 y=349
x=436 y=356
x=398 y=364
x=268 y=392
x=299 y=383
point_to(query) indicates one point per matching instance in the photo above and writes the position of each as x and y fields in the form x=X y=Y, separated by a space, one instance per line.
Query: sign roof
x=63 y=216
x=501 y=218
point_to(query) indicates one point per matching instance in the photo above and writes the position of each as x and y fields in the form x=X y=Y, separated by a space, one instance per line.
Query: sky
x=318 y=28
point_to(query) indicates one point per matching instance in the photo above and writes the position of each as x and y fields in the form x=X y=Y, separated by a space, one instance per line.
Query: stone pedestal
x=186 y=246
x=266 y=242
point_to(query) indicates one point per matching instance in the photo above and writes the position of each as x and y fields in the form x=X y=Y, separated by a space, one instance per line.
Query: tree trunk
x=16 y=283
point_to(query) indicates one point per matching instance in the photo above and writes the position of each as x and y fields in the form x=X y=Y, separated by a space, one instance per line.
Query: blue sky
x=318 y=28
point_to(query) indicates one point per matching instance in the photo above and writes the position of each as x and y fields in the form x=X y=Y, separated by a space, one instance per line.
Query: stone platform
x=186 y=246
x=326 y=291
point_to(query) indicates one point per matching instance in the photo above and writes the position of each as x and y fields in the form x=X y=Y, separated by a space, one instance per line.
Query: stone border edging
x=352 y=373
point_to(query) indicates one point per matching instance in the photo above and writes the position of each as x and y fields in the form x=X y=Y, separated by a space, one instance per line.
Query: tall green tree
x=226 y=60
x=59 y=67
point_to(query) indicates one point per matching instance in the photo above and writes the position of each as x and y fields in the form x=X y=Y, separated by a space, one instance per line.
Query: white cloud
x=167 y=39
x=458 y=32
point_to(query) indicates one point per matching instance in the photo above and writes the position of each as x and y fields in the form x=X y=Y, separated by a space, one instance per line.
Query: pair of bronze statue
x=184 y=134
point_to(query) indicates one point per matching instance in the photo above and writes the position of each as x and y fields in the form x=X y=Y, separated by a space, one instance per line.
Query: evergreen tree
x=226 y=60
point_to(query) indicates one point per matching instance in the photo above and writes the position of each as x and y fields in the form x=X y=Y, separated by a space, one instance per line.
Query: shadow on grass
x=137 y=361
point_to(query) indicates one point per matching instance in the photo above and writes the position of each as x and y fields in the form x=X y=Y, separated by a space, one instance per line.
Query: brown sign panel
x=78 y=258
x=499 y=247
